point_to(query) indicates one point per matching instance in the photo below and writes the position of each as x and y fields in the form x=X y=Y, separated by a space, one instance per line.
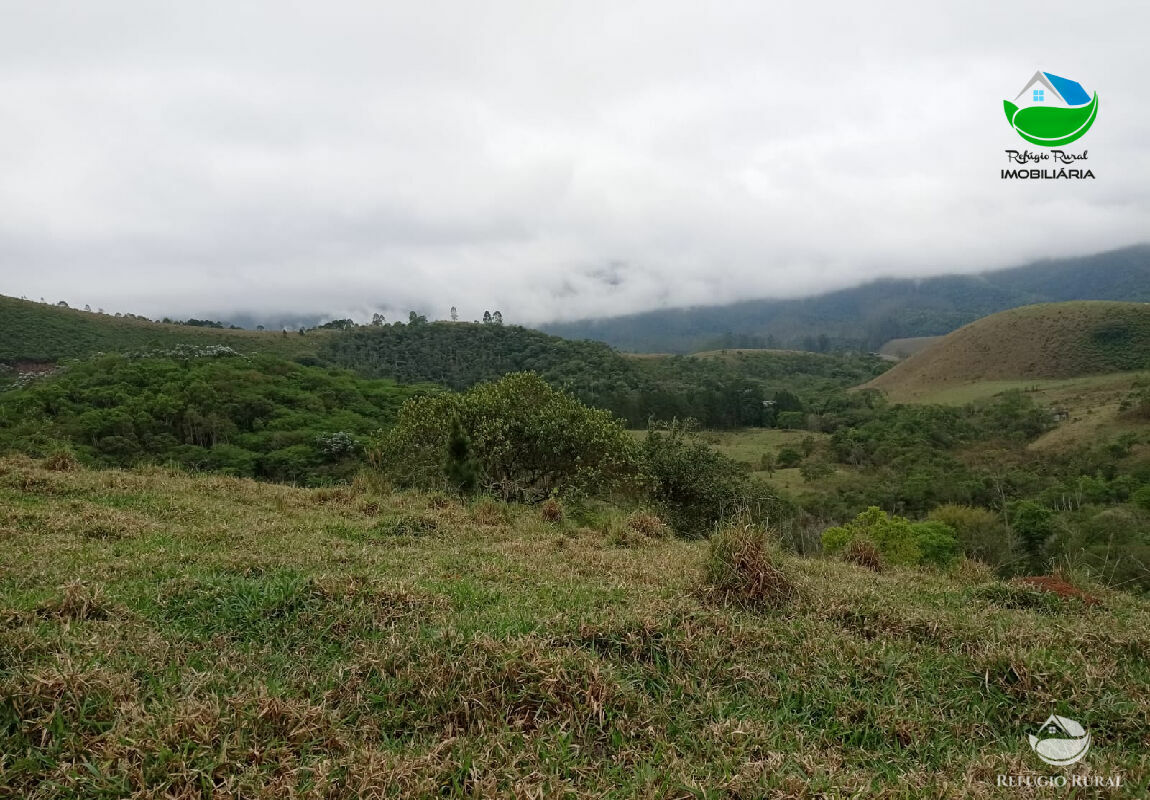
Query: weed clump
x=864 y=553
x=489 y=512
x=637 y=529
x=552 y=510
x=61 y=461
x=78 y=601
x=744 y=568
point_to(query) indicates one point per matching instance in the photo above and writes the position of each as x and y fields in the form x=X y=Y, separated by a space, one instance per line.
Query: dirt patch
x=1048 y=583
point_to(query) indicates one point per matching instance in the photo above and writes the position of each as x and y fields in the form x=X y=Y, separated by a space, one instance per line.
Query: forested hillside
x=719 y=392
x=38 y=332
x=261 y=417
x=865 y=317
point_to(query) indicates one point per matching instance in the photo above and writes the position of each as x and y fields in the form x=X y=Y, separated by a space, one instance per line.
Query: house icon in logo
x=1051 y=111
x=1060 y=741
x=1047 y=89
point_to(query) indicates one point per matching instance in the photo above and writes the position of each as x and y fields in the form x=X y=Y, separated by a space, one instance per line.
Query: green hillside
x=174 y=636
x=261 y=416
x=722 y=392
x=39 y=333
x=867 y=316
x=1040 y=342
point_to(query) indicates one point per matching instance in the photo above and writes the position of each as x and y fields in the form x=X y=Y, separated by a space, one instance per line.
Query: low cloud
x=551 y=161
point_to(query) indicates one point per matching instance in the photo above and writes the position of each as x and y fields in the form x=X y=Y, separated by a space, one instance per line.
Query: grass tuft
x=745 y=568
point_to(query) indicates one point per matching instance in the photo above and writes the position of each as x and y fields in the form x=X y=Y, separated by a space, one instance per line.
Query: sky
x=553 y=160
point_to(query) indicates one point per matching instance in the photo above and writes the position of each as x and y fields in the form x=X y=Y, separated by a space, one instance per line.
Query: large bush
x=695 y=486
x=897 y=539
x=524 y=440
x=981 y=532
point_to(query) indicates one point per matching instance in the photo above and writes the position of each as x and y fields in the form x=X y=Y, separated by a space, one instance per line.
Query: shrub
x=897 y=540
x=893 y=536
x=527 y=441
x=1033 y=524
x=981 y=532
x=816 y=470
x=744 y=568
x=1141 y=498
x=789 y=457
x=936 y=543
x=694 y=486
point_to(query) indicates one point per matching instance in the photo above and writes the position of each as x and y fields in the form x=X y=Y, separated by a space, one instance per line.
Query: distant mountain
x=874 y=313
x=1051 y=340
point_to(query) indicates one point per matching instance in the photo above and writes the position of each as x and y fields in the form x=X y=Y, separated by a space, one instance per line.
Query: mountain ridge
x=867 y=316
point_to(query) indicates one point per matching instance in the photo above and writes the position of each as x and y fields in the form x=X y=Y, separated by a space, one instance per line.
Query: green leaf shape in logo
x=1051 y=127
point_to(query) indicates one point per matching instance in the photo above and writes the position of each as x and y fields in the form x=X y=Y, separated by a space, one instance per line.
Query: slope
x=40 y=333
x=179 y=636
x=1034 y=343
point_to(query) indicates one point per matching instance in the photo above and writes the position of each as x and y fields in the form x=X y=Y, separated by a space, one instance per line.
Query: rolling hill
x=39 y=333
x=1046 y=342
x=869 y=315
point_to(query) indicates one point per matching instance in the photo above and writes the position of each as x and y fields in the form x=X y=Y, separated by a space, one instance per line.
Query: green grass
x=171 y=635
x=34 y=332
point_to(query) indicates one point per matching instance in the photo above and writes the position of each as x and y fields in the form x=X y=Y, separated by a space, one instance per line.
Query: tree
x=259 y=327
x=461 y=469
x=377 y=319
x=486 y=317
x=454 y=314
x=415 y=319
x=789 y=457
x=767 y=462
x=497 y=317
x=1032 y=525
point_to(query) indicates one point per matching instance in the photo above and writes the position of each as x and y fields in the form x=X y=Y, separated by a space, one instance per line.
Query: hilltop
x=1034 y=343
x=719 y=390
x=865 y=317
x=173 y=635
x=33 y=332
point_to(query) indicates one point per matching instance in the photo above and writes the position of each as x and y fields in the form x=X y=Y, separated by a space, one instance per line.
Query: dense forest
x=865 y=317
x=724 y=391
x=213 y=410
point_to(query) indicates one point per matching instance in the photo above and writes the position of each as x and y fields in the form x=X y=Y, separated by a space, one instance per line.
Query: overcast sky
x=553 y=160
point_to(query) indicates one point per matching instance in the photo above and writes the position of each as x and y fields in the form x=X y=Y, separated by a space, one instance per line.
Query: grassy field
x=1034 y=343
x=163 y=635
x=35 y=332
x=905 y=348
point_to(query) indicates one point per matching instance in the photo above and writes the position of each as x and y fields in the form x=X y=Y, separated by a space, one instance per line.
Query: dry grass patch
x=862 y=551
x=78 y=601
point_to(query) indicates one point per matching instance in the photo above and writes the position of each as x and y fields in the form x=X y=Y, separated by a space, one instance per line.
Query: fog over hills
x=875 y=312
